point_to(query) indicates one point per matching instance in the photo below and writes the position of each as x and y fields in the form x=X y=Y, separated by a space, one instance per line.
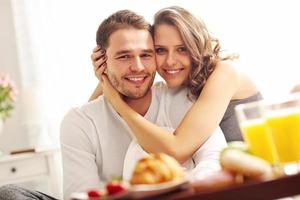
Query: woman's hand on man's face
x=99 y=58
x=110 y=93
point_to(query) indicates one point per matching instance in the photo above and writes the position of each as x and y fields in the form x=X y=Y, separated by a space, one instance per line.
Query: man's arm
x=206 y=158
x=79 y=154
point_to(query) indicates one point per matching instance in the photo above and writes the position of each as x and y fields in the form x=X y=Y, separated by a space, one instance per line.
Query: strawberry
x=115 y=187
x=93 y=193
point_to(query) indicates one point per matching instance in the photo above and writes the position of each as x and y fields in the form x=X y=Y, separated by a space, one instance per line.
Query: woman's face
x=172 y=57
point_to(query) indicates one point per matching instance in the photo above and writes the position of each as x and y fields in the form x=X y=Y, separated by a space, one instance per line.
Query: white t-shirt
x=95 y=139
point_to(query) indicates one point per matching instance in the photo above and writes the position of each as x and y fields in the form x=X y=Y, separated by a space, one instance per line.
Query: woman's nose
x=171 y=61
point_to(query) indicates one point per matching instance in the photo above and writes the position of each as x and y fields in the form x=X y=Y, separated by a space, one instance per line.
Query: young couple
x=188 y=58
x=200 y=92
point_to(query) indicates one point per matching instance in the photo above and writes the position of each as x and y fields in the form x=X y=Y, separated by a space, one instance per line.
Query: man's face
x=131 y=62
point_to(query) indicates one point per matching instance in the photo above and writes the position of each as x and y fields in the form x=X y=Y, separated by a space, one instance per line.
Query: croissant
x=156 y=168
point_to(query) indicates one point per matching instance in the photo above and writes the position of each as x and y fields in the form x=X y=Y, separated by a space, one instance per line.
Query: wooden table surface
x=273 y=189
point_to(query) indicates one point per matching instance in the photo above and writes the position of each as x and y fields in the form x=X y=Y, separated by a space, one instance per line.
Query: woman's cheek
x=159 y=61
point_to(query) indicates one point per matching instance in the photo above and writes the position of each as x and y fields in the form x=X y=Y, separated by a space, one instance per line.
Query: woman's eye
x=146 y=55
x=182 y=49
x=159 y=50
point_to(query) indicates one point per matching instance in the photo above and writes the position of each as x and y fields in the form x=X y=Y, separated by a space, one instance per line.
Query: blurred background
x=45 y=47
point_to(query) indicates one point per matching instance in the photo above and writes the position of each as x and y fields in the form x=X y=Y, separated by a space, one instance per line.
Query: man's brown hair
x=119 y=20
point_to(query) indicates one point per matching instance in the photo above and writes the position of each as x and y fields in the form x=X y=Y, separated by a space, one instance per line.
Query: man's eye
x=123 y=57
x=159 y=50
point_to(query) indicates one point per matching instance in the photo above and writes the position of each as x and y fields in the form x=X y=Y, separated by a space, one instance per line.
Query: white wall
x=12 y=136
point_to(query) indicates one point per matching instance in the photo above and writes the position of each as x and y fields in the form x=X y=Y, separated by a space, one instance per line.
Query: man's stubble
x=126 y=92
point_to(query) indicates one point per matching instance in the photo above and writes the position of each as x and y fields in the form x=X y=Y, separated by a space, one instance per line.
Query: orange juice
x=260 y=141
x=285 y=129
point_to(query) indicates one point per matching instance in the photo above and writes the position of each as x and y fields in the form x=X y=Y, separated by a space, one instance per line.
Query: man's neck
x=140 y=105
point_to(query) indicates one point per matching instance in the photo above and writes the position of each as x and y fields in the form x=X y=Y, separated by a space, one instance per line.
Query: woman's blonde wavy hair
x=203 y=48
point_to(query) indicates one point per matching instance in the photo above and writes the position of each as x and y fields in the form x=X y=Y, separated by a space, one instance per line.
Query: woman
x=187 y=56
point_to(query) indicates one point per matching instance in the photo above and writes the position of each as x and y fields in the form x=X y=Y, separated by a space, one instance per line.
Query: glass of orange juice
x=283 y=118
x=255 y=131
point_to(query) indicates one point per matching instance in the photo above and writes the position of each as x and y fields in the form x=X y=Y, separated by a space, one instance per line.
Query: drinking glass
x=283 y=118
x=255 y=131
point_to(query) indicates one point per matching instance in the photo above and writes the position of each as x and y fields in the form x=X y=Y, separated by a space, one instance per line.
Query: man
x=94 y=138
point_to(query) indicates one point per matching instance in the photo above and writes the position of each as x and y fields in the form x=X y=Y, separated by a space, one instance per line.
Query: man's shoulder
x=87 y=110
x=82 y=118
x=92 y=105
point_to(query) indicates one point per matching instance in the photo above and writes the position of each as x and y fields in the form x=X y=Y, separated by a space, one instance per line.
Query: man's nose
x=171 y=61
x=137 y=65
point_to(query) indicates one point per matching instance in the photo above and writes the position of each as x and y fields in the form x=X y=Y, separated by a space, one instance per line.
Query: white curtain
x=55 y=39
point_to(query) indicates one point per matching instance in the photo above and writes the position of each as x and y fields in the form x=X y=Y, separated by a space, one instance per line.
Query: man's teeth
x=135 y=78
x=172 y=71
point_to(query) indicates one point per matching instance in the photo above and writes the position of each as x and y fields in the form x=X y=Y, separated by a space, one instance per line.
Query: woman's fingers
x=99 y=58
x=99 y=67
x=97 y=53
x=97 y=48
x=103 y=79
x=98 y=63
x=100 y=71
x=102 y=68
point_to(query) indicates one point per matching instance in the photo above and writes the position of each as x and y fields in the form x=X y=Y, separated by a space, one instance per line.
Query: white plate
x=146 y=190
x=138 y=191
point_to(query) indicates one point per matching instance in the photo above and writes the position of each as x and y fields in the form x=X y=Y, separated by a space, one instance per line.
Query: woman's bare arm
x=198 y=123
